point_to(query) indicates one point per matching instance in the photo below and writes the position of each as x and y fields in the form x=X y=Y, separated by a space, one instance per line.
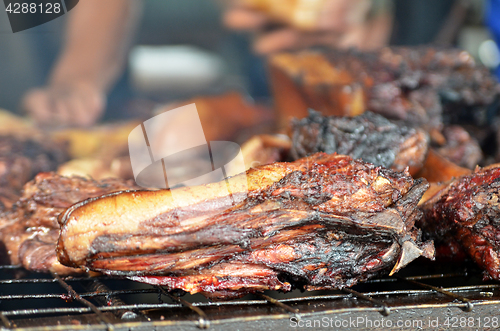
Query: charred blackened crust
x=326 y=221
x=368 y=136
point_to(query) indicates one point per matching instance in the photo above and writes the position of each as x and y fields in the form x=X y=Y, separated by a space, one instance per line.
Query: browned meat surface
x=231 y=116
x=369 y=136
x=29 y=230
x=21 y=158
x=467 y=211
x=322 y=222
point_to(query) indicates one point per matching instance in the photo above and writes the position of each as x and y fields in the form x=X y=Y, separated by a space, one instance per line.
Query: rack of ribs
x=321 y=222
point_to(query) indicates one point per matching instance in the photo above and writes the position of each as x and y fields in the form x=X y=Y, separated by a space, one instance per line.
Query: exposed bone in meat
x=326 y=221
x=29 y=230
x=262 y=149
x=369 y=136
x=467 y=211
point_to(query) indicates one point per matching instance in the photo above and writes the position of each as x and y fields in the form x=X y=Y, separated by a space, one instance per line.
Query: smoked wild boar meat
x=322 y=222
x=29 y=229
x=21 y=158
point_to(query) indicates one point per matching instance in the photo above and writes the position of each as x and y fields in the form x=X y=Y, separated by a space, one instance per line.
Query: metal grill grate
x=50 y=302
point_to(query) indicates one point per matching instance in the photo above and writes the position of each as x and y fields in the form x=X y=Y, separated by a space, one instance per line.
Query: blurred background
x=181 y=49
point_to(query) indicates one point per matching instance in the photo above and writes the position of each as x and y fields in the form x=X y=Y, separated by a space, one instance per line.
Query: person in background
x=99 y=34
x=97 y=38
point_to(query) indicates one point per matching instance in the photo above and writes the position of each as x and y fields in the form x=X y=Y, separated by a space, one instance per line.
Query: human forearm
x=98 y=36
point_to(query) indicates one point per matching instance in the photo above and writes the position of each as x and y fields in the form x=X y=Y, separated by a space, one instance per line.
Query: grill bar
x=76 y=296
x=468 y=304
x=107 y=299
x=109 y=293
x=419 y=277
x=8 y=324
x=203 y=322
x=385 y=310
x=280 y=304
x=80 y=310
x=390 y=295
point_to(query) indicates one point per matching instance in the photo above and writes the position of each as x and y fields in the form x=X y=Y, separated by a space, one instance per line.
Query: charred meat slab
x=322 y=222
x=467 y=211
x=369 y=136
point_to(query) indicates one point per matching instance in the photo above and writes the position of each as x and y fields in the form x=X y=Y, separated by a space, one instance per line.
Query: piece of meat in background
x=425 y=85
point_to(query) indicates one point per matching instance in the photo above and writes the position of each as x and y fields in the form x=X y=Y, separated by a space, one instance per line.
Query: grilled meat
x=29 y=230
x=467 y=211
x=322 y=222
x=369 y=136
x=8 y=196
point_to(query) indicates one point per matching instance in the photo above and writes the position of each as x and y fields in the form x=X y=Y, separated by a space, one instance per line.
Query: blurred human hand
x=76 y=105
x=299 y=24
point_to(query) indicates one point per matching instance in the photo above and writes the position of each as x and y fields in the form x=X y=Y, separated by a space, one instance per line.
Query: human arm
x=98 y=35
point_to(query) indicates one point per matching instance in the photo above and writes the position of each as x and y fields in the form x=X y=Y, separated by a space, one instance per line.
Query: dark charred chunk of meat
x=460 y=148
x=467 y=211
x=369 y=136
x=325 y=222
x=422 y=85
x=29 y=229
